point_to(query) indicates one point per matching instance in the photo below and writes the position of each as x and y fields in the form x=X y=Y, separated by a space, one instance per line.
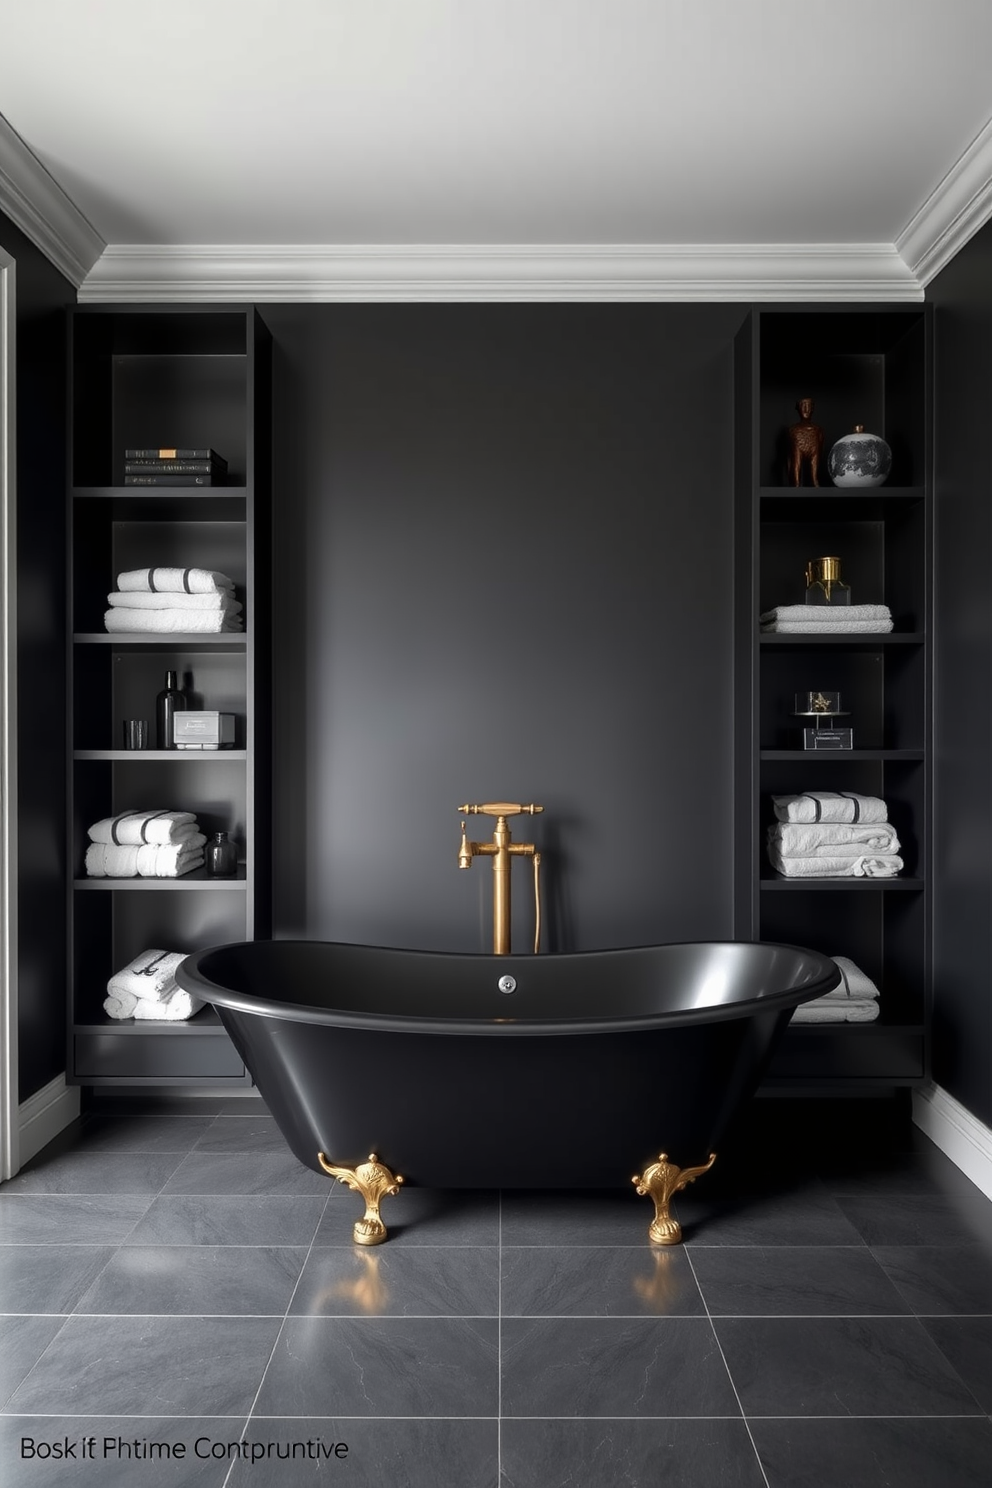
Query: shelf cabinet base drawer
x=848 y=1054
x=156 y=1056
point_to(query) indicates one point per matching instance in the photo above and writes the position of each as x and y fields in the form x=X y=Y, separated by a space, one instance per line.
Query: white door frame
x=9 y=1108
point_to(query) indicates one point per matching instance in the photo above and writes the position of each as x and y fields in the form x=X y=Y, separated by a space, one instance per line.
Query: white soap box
x=203 y=730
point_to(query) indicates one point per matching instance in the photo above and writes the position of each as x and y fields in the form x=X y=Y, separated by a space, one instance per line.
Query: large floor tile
x=380 y=1453
x=257 y=1133
x=199 y=1219
x=840 y=1367
x=48 y=1278
x=96 y=1173
x=575 y=1217
x=25 y=1339
x=915 y=1219
x=383 y=1367
x=809 y=1216
x=222 y=1280
x=419 y=1281
x=967 y=1343
x=794 y=1281
x=246 y=1173
x=418 y=1216
x=149 y=1365
x=613 y=1367
x=903 y=1453
x=941 y=1279
x=635 y=1454
x=143 y=1133
x=69 y=1219
x=126 y=1451
x=598 y=1281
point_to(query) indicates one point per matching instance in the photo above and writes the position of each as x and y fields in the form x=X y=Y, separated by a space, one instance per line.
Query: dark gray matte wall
x=962 y=1041
x=42 y=294
x=503 y=570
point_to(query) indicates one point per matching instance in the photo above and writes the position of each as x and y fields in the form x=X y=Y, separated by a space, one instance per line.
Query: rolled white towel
x=830 y=806
x=822 y=839
x=162 y=622
x=135 y=828
x=136 y=600
x=175 y=580
x=120 y=1004
x=171 y=860
x=857 y=865
x=174 y=1009
x=150 y=976
x=854 y=1010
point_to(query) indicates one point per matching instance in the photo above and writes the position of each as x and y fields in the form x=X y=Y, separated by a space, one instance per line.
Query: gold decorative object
x=805 y=444
x=373 y=1181
x=501 y=850
x=661 y=1180
x=824 y=584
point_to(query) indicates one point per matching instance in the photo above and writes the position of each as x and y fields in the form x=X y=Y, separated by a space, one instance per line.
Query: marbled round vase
x=859 y=461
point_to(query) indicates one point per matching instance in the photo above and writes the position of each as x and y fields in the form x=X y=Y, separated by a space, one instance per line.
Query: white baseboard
x=44 y=1114
x=957 y=1133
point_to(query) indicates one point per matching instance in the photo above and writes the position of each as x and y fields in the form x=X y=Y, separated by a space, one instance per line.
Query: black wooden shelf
x=176 y=756
x=895 y=756
x=205 y=1023
x=163 y=640
x=198 y=880
x=857 y=885
x=866 y=641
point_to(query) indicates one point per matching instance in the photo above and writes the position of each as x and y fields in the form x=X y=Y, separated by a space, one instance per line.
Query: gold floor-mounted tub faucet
x=501 y=850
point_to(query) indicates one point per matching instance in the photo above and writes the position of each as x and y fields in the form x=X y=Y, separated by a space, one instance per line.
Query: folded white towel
x=175 y=580
x=138 y=601
x=150 y=976
x=160 y=622
x=845 y=627
x=136 y=828
x=857 y=984
x=828 y=614
x=876 y=865
x=171 y=860
x=830 y=806
x=175 y=1009
x=822 y=839
x=854 y=1010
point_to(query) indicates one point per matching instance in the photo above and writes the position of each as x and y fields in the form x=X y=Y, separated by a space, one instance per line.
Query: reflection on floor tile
x=421 y=1281
x=598 y=1281
x=180 y=1282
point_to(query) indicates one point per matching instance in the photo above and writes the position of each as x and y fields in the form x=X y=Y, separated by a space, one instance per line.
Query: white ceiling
x=641 y=124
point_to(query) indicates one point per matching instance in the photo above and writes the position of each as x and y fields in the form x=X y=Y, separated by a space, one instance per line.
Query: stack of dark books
x=174 y=467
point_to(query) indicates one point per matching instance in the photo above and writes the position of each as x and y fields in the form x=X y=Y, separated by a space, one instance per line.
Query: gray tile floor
x=179 y=1294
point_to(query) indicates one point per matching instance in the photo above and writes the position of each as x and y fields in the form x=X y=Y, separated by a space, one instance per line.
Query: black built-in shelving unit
x=866 y=366
x=194 y=378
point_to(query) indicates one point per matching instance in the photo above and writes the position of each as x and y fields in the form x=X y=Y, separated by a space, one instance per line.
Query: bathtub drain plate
x=507 y=984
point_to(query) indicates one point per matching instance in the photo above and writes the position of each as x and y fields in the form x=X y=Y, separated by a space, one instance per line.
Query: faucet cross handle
x=501 y=808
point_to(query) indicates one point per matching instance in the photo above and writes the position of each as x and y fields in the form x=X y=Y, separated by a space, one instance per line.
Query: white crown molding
x=708 y=272
x=957 y=1133
x=36 y=203
x=952 y=213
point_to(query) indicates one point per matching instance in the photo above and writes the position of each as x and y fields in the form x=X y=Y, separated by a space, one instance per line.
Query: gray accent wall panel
x=503 y=569
x=42 y=295
x=962 y=1040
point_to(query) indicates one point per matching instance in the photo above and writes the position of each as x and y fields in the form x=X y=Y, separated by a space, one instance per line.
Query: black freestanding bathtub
x=478 y=1071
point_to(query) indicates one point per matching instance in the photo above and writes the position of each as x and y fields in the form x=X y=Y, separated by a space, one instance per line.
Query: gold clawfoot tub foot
x=373 y=1181
x=661 y=1180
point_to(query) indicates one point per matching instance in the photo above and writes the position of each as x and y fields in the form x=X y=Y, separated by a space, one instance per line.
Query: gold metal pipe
x=502 y=850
